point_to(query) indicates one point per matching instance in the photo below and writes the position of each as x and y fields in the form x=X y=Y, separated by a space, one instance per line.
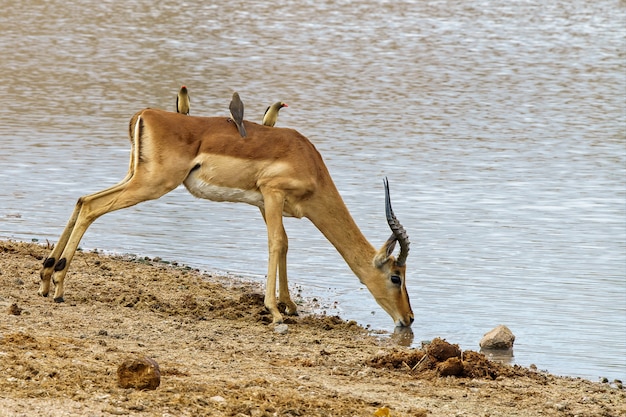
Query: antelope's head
x=390 y=288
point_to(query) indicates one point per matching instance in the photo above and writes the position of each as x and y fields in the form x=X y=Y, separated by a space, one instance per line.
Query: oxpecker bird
x=236 y=113
x=271 y=113
x=182 y=101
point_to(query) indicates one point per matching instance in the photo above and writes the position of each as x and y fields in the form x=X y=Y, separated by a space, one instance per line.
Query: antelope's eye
x=396 y=279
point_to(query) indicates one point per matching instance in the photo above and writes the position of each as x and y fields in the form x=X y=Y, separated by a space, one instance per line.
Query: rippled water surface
x=500 y=124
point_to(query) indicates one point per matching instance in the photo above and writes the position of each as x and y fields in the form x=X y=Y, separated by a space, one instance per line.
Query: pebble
x=281 y=328
x=560 y=406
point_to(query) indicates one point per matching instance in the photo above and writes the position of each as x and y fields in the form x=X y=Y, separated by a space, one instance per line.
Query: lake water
x=500 y=124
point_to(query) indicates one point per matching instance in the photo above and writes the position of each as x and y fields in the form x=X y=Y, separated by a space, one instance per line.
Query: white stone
x=499 y=338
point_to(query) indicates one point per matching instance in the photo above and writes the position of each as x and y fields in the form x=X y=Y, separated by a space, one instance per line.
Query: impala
x=276 y=169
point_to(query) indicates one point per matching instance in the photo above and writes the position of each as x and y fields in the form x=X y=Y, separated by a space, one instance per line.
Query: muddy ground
x=219 y=355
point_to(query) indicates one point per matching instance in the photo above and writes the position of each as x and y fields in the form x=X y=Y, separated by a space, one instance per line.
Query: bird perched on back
x=271 y=113
x=182 y=101
x=236 y=113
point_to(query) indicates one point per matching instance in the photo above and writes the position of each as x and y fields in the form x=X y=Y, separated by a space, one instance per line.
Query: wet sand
x=220 y=356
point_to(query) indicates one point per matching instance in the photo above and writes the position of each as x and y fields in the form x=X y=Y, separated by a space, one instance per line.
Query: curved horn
x=398 y=231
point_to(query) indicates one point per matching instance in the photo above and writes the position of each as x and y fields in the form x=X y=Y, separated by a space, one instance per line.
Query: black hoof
x=60 y=265
x=48 y=263
x=59 y=300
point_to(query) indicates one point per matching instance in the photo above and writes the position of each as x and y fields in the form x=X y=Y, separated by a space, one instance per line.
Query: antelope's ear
x=385 y=252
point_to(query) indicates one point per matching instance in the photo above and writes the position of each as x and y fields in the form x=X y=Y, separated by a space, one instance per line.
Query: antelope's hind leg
x=144 y=183
x=50 y=264
x=137 y=189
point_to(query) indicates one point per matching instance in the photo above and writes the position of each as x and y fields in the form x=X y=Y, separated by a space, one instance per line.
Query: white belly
x=202 y=189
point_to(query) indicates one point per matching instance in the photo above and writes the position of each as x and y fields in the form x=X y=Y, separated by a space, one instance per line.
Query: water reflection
x=499 y=355
x=402 y=336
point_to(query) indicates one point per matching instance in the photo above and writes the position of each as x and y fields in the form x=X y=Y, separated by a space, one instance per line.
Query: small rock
x=218 y=399
x=15 y=310
x=139 y=373
x=561 y=406
x=281 y=328
x=499 y=338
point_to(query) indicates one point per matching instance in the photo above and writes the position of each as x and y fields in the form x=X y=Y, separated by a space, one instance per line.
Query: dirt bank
x=219 y=356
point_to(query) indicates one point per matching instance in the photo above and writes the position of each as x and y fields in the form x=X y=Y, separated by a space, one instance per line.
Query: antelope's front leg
x=291 y=308
x=277 y=248
x=272 y=274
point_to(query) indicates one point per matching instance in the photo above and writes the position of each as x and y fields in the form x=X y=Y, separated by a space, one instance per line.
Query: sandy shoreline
x=219 y=356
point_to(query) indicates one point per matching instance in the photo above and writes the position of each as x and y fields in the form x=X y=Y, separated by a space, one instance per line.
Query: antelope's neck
x=332 y=218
